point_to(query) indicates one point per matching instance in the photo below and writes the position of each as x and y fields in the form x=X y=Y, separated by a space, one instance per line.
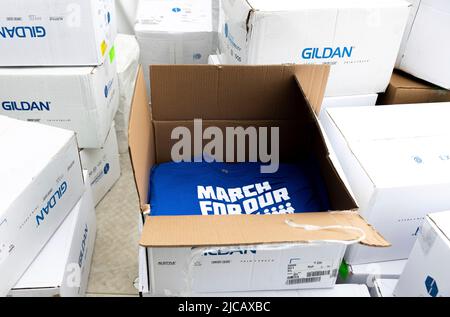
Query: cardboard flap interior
x=229 y=92
x=192 y=231
x=141 y=139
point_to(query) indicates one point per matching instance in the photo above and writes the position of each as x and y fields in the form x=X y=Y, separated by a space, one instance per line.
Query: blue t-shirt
x=235 y=188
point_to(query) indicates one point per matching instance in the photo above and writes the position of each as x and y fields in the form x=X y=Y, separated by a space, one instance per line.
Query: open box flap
x=195 y=231
x=230 y=92
x=141 y=139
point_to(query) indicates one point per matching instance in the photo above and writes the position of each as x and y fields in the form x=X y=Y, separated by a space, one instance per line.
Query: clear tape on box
x=197 y=253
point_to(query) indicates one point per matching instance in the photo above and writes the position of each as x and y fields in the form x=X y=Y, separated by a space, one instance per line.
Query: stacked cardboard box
x=58 y=69
x=62 y=69
x=176 y=32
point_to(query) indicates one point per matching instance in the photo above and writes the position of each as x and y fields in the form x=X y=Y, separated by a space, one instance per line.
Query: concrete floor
x=114 y=267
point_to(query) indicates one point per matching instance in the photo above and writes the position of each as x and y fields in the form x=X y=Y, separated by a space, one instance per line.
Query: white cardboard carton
x=181 y=271
x=383 y=287
x=175 y=32
x=40 y=182
x=397 y=161
x=341 y=290
x=62 y=268
x=367 y=273
x=127 y=49
x=56 y=32
x=103 y=166
x=347 y=101
x=425 y=50
x=81 y=99
x=360 y=39
x=426 y=273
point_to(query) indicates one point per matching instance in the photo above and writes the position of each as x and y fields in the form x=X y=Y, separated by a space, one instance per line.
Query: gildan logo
x=257 y=198
x=22 y=32
x=83 y=246
x=230 y=252
x=26 y=105
x=327 y=52
x=431 y=286
x=51 y=203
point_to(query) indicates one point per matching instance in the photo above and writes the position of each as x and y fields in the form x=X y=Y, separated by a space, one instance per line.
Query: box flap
x=191 y=231
x=141 y=139
x=230 y=92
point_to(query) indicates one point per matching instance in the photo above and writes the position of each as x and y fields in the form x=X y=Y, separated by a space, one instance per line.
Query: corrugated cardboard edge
x=140 y=138
x=196 y=231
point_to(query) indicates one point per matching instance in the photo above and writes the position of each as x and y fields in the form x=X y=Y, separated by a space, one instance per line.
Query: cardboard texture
x=359 y=39
x=425 y=49
x=404 y=88
x=426 y=272
x=40 y=182
x=238 y=96
x=386 y=167
x=62 y=267
x=52 y=32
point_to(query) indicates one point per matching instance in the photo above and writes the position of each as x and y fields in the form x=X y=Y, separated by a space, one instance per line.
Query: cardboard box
x=368 y=273
x=426 y=273
x=175 y=32
x=396 y=161
x=81 y=99
x=182 y=93
x=52 y=32
x=103 y=166
x=425 y=51
x=360 y=39
x=40 y=182
x=127 y=51
x=404 y=88
x=383 y=287
x=347 y=101
x=62 y=268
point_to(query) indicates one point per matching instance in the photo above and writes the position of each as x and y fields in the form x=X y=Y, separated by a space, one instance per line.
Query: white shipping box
x=347 y=101
x=368 y=273
x=181 y=271
x=360 y=39
x=127 y=52
x=426 y=273
x=425 y=47
x=62 y=268
x=40 y=182
x=175 y=32
x=56 y=32
x=103 y=166
x=81 y=99
x=397 y=161
x=383 y=287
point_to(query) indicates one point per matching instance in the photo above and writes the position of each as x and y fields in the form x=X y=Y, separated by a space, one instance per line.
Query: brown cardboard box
x=404 y=88
x=238 y=96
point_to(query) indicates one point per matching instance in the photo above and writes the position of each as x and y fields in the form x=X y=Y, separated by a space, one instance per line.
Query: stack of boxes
x=58 y=68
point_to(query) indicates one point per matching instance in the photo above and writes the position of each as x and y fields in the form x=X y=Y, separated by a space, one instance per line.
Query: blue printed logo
x=107 y=88
x=176 y=9
x=22 y=32
x=230 y=252
x=26 y=105
x=431 y=286
x=327 y=52
x=226 y=30
x=197 y=56
x=83 y=246
x=108 y=17
x=106 y=168
x=51 y=203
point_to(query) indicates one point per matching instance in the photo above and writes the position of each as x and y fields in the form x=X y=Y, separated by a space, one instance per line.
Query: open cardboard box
x=285 y=96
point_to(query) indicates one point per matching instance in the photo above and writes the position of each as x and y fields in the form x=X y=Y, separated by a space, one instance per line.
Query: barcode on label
x=302 y=280
x=318 y=273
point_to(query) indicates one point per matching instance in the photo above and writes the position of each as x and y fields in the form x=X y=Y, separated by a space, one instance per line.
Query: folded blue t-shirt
x=189 y=188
